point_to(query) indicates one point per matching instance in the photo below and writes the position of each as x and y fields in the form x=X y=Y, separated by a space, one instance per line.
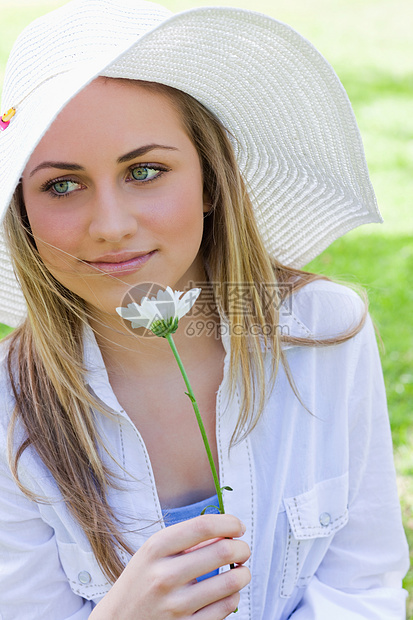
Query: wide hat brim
x=289 y=118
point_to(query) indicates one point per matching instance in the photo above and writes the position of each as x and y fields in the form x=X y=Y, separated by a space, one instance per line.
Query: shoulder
x=325 y=309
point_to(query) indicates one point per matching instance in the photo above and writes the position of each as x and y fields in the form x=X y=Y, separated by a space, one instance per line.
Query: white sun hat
x=295 y=135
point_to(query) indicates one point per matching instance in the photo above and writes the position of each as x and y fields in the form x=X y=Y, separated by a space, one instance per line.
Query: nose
x=112 y=218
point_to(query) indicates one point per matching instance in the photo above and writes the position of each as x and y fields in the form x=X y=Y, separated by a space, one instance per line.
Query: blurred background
x=370 y=45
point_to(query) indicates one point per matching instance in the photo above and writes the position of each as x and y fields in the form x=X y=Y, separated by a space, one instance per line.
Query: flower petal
x=187 y=301
x=141 y=323
x=132 y=311
x=134 y=314
x=166 y=309
x=168 y=294
x=149 y=309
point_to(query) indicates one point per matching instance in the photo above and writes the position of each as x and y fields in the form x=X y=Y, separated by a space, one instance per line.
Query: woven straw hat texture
x=292 y=126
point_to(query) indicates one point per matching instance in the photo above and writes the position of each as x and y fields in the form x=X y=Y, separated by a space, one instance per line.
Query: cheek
x=180 y=214
x=53 y=231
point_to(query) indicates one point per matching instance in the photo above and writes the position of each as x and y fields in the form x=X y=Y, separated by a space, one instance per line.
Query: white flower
x=160 y=314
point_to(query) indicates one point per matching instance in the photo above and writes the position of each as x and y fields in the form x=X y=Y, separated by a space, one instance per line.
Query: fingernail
x=243 y=528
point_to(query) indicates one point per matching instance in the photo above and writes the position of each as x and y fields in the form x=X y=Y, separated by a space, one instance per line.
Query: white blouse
x=316 y=490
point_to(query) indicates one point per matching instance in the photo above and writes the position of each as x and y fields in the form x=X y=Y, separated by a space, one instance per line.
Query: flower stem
x=191 y=395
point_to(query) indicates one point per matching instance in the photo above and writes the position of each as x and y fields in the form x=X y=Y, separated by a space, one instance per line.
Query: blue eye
x=64 y=187
x=145 y=173
x=60 y=188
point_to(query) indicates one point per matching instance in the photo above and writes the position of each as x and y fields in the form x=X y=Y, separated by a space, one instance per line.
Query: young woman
x=213 y=148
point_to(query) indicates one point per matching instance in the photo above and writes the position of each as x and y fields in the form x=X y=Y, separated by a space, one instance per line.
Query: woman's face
x=114 y=194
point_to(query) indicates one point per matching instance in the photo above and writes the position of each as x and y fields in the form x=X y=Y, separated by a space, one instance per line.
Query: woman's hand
x=160 y=579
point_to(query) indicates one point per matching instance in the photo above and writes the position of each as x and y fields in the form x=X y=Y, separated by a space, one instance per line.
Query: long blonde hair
x=45 y=353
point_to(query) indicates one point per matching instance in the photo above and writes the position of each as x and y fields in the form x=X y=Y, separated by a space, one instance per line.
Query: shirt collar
x=97 y=376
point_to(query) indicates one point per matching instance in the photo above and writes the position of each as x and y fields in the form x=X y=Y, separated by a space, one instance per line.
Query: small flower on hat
x=6 y=118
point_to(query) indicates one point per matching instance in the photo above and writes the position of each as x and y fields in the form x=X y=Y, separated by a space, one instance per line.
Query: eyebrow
x=142 y=150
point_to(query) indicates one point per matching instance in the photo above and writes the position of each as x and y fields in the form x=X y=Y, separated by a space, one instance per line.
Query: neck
x=140 y=352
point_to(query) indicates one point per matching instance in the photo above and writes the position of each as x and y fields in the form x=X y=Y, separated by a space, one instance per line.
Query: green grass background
x=370 y=45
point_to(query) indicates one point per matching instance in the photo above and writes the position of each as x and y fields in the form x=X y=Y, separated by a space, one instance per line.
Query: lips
x=124 y=262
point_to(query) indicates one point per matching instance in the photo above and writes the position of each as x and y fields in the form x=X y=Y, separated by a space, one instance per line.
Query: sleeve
x=33 y=584
x=360 y=576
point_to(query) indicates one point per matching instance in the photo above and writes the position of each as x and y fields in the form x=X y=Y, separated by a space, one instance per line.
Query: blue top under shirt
x=183 y=513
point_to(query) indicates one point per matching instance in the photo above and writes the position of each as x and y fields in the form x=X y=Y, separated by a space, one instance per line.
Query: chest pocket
x=312 y=520
x=83 y=572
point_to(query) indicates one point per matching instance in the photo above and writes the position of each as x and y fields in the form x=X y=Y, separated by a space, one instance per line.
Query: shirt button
x=325 y=519
x=84 y=577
